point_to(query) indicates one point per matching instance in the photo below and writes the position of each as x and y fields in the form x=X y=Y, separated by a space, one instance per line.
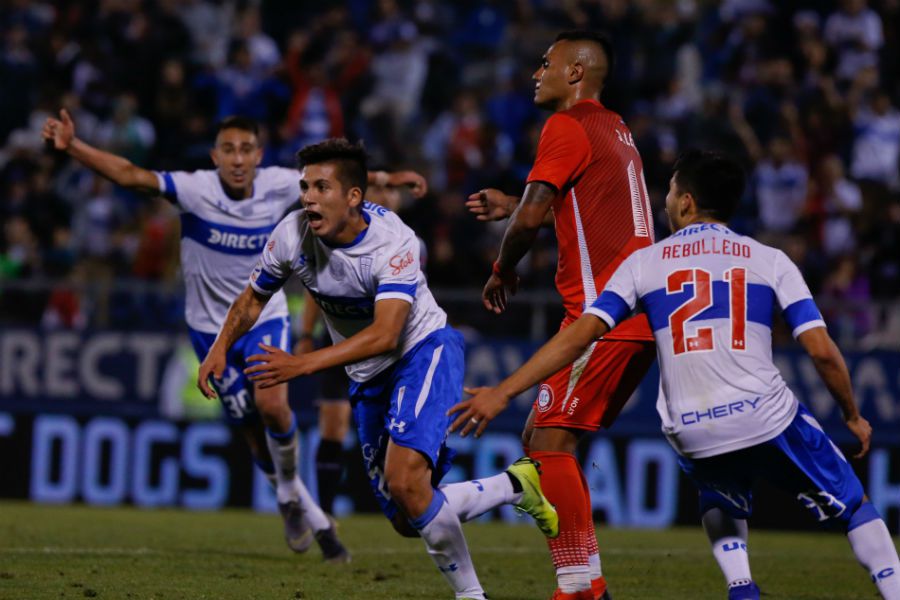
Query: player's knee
x=409 y=493
x=402 y=526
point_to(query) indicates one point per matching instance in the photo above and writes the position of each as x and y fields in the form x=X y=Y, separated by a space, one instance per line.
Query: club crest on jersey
x=337 y=269
x=271 y=245
x=545 y=398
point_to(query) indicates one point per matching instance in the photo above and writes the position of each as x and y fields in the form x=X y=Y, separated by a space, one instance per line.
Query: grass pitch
x=125 y=553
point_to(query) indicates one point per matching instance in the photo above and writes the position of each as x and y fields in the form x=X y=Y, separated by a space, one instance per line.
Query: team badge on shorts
x=545 y=398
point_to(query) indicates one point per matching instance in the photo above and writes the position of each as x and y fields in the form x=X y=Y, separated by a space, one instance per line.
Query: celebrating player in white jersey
x=709 y=294
x=362 y=266
x=227 y=215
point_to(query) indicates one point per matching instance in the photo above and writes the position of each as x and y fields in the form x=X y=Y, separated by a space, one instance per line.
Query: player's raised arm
x=567 y=345
x=490 y=204
x=833 y=370
x=383 y=335
x=61 y=132
x=416 y=182
x=242 y=315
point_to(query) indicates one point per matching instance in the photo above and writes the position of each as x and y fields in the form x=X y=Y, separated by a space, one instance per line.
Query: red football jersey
x=602 y=211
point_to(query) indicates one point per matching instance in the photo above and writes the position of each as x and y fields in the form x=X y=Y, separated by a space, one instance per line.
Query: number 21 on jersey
x=702 y=299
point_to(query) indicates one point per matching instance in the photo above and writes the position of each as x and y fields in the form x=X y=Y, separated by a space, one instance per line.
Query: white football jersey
x=346 y=281
x=710 y=295
x=222 y=238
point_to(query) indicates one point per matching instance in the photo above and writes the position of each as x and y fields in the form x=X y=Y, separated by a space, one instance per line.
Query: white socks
x=594 y=565
x=573 y=579
x=444 y=539
x=284 y=450
x=728 y=537
x=471 y=499
x=875 y=550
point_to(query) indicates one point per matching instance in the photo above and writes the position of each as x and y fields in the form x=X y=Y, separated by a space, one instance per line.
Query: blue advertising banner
x=113 y=417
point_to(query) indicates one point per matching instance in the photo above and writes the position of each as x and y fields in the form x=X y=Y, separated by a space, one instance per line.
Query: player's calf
x=873 y=547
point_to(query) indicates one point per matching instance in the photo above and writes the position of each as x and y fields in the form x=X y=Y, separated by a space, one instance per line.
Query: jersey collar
x=359 y=237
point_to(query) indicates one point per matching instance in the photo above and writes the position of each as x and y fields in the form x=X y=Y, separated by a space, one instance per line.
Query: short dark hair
x=238 y=122
x=715 y=180
x=586 y=35
x=349 y=157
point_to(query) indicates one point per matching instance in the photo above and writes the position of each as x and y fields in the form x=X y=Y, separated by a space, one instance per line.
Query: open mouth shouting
x=315 y=219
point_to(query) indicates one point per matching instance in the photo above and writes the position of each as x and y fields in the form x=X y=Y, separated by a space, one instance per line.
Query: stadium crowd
x=804 y=93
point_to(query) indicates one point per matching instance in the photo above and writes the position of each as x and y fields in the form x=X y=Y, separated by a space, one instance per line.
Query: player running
x=709 y=294
x=227 y=215
x=362 y=266
x=589 y=173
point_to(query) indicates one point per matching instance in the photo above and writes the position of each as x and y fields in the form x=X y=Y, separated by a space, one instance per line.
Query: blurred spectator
x=837 y=202
x=789 y=88
x=779 y=183
x=855 y=33
x=876 y=149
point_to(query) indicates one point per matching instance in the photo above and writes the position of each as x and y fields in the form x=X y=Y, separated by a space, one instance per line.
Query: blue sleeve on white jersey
x=264 y=282
x=274 y=266
x=406 y=289
x=398 y=274
x=610 y=307
x=167 y=186
x=620 y=296
x=794 y=298
x=803 y=315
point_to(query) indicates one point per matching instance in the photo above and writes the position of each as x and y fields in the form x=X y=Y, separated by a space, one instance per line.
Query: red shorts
x=590 y=393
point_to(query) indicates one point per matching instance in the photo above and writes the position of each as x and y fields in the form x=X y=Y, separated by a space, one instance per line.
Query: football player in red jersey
x=588 y=180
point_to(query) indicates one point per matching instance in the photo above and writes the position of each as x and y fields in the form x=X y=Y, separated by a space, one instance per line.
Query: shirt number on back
x=700 y=301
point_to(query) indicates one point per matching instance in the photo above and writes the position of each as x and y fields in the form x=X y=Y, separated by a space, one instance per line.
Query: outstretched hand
x=60 y=131
x=274 y=367
x=416 y=183
x=491 y=204
x=479 y=410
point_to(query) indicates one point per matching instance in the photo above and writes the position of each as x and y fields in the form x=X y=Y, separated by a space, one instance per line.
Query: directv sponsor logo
x=347 y=308
x=240 y=241
x=719 y=411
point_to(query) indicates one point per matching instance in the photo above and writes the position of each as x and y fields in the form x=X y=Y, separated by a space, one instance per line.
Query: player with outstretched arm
x=588 y=182
x=362 y=266
x=709 y=294
x=227 y=214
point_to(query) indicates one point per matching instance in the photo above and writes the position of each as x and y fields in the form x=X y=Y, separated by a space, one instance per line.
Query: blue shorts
x=408 y=403
x=235 y=391
x=801 y=460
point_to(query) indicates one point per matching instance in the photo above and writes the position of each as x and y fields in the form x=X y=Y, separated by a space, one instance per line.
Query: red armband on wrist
x=495 y=269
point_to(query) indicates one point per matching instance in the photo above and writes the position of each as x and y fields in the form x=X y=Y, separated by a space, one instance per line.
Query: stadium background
x=96 y=377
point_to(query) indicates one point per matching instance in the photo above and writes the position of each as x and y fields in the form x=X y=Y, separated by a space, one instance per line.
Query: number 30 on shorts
x=702 y=299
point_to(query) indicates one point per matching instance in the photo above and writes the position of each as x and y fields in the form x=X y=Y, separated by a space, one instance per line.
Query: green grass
x=125 y=553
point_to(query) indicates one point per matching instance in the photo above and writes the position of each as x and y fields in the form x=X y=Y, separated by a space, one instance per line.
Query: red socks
x=561 y=480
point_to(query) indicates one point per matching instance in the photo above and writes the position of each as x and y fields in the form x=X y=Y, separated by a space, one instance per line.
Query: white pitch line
x=66 y=550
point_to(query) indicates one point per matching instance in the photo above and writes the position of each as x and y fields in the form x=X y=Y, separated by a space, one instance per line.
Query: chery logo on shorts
x=545 y=398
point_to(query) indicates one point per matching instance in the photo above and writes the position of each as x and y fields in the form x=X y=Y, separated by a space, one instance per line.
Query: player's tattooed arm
x=60 y=133
x=833 y=370
x=490 y=204
x=383 y=335
x=520 y=234
x=244 y=312
x=486 y=402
